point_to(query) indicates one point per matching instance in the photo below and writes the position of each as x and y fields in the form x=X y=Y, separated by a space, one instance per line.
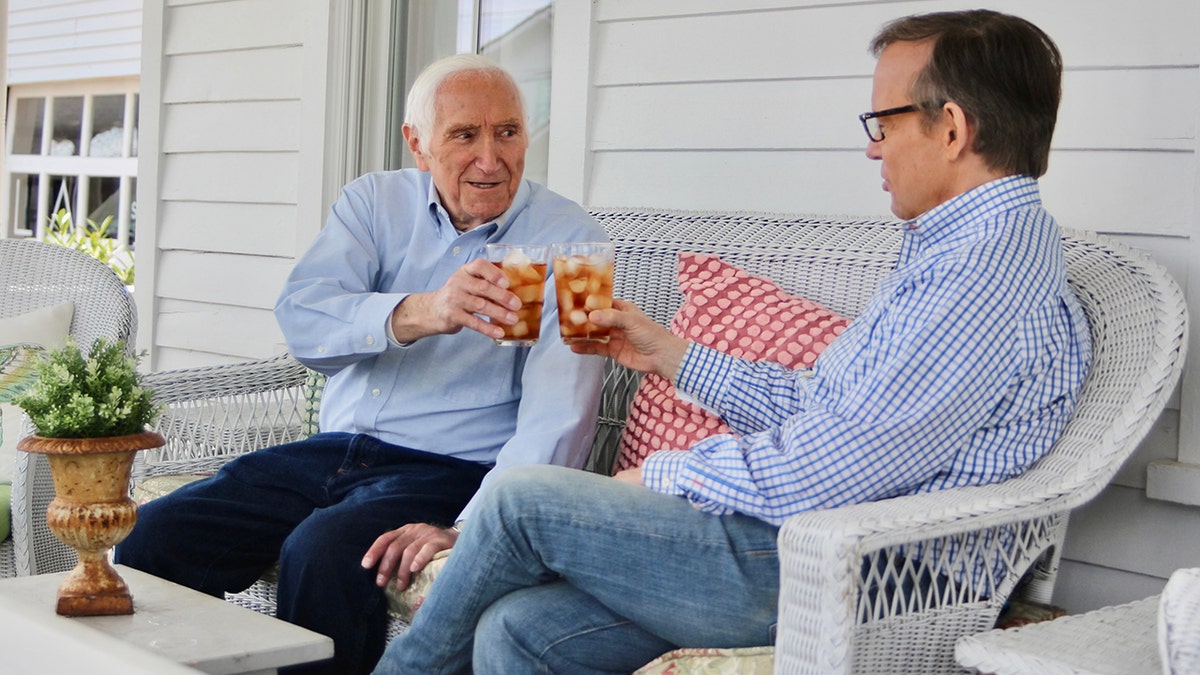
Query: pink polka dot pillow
x=730 y=310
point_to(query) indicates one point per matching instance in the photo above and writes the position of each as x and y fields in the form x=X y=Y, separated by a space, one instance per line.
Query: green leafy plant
x=95 y=396
x=91 y=239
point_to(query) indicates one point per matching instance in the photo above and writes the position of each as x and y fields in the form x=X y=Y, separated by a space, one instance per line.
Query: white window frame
x=81 y=166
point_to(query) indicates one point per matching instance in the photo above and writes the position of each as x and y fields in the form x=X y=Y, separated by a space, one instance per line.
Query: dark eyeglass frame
x=868 y=119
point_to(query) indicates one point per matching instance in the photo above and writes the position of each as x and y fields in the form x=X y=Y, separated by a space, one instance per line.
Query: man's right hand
x=477 y=288
x=406 y=550
x=635 y=341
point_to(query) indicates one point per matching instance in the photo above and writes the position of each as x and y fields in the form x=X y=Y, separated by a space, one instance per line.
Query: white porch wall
x=702 y=104
x=50 y=40
x=751 y=104
x=234 y=96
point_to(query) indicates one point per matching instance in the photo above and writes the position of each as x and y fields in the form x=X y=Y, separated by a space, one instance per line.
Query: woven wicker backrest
x=34 y=274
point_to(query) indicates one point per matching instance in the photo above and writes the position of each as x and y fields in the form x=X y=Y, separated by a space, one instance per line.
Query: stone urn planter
x=92 y=512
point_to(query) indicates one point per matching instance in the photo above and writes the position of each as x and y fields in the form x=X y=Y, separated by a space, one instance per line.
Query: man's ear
x=957 y=132
x=414 y=146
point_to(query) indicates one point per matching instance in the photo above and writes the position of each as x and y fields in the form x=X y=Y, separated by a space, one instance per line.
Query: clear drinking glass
x=583 y=281
x=525 y=267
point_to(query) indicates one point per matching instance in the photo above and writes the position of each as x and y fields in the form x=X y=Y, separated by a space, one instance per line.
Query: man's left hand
x=406 y=550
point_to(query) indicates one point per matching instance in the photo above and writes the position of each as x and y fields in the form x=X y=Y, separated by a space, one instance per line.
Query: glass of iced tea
x=583 y=281
x=525 y=267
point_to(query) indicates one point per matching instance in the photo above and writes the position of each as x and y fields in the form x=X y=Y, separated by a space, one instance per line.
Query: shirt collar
x=492 y=229
x=956 y=216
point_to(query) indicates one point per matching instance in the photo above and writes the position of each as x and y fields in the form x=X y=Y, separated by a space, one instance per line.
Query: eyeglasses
x=870 y=120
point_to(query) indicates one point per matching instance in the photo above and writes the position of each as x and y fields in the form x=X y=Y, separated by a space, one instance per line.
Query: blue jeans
x=562 y=571
x=315 y=506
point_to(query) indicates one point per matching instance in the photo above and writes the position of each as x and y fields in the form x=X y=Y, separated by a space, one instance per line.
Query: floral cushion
x=156 y=486
x=314 y=388
x=732 y=311
x=17 y=374
x=405 y=603
x=742 y=661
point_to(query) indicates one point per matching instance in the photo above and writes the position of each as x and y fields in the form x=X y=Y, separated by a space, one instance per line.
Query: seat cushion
x=742 y=661
x=735 y=312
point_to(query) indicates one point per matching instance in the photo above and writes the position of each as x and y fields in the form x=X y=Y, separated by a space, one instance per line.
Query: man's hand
x=632 y=476
x=478 y=287
x=635 y=341
x=406 y=550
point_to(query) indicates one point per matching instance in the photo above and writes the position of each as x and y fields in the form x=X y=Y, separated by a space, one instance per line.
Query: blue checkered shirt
x=962 y=369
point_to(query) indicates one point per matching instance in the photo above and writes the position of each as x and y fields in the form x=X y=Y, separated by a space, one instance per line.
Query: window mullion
x=127 y=127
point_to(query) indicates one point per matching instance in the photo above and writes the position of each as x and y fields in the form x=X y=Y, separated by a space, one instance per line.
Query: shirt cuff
x=662 y=468
x=391 y=333
x=704 y=375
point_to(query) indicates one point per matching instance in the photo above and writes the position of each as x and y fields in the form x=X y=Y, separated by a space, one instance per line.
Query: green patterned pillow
x=17 y=373
x=314 y=388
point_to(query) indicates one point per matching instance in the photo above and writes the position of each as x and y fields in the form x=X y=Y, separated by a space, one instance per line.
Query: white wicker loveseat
x=832 y=617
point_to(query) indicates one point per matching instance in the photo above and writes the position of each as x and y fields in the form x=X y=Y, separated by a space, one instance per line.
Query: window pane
x=499 y=19
x=137 y=114
x=62 y=194
x=24 y=190
x=108 y=126
x=68 y=116
x=104 y=194
x=516 y=34
x=27 y=128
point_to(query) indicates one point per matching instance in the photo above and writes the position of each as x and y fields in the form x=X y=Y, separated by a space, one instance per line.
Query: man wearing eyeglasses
x=962 y=369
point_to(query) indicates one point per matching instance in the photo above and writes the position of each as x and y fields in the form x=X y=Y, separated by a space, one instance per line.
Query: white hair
x=420 y=108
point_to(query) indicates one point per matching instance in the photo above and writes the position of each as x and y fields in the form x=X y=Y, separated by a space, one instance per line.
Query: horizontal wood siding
x=52 y=40
x=715 y=104
x=229 y=175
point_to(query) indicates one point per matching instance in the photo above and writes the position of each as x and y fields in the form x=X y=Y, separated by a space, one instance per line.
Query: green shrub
x=90 y=238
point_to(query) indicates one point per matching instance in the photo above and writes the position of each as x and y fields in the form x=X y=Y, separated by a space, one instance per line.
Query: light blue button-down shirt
x=962 y=369
x=462 y=395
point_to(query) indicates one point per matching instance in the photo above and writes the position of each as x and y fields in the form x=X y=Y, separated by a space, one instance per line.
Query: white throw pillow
x=48 y=326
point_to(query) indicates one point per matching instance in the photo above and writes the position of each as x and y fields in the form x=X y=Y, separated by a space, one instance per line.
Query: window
x=72 y=151
x=513 y=33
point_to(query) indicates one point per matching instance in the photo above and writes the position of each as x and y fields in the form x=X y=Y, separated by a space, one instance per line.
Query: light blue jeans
x=562 y=571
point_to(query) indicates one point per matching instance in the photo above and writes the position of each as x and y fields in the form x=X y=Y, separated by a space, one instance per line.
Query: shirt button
x=320 y=349
x=375 y=392
x=457 y=249
x=370 y=340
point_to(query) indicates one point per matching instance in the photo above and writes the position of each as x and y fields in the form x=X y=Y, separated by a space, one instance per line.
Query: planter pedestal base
x=91 y=513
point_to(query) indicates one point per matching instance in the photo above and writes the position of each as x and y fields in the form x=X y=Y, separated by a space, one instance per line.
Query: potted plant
x=90 y=415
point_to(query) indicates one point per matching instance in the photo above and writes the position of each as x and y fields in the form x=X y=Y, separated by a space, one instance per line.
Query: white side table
x=169 y=621
x=1117 y=640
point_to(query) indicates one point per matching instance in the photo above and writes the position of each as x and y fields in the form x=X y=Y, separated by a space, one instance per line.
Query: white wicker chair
x=832 y=617
x=35 y=274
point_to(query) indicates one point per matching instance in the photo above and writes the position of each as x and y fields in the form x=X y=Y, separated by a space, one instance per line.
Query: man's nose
x=487 y=158
x=873 y=150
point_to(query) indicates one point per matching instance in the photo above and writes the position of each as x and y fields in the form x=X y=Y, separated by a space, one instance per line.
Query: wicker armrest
x=215 y=413
x=912 y=573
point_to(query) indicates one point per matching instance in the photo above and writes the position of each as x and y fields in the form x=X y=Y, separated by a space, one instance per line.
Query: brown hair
x=1003 y=71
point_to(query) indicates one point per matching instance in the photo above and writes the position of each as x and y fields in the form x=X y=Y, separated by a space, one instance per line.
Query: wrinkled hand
x=635 y=341
x=406 y=550
x=478 y=287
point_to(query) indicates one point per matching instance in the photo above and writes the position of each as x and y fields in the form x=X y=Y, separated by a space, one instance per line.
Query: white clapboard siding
x=228 y=227
x=231 y=126
x=223 y=279
x=53 y=40
x=240 y=126
x=238 y=332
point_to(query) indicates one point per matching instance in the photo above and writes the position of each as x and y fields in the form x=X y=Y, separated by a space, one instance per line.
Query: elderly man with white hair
x=417 y=412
